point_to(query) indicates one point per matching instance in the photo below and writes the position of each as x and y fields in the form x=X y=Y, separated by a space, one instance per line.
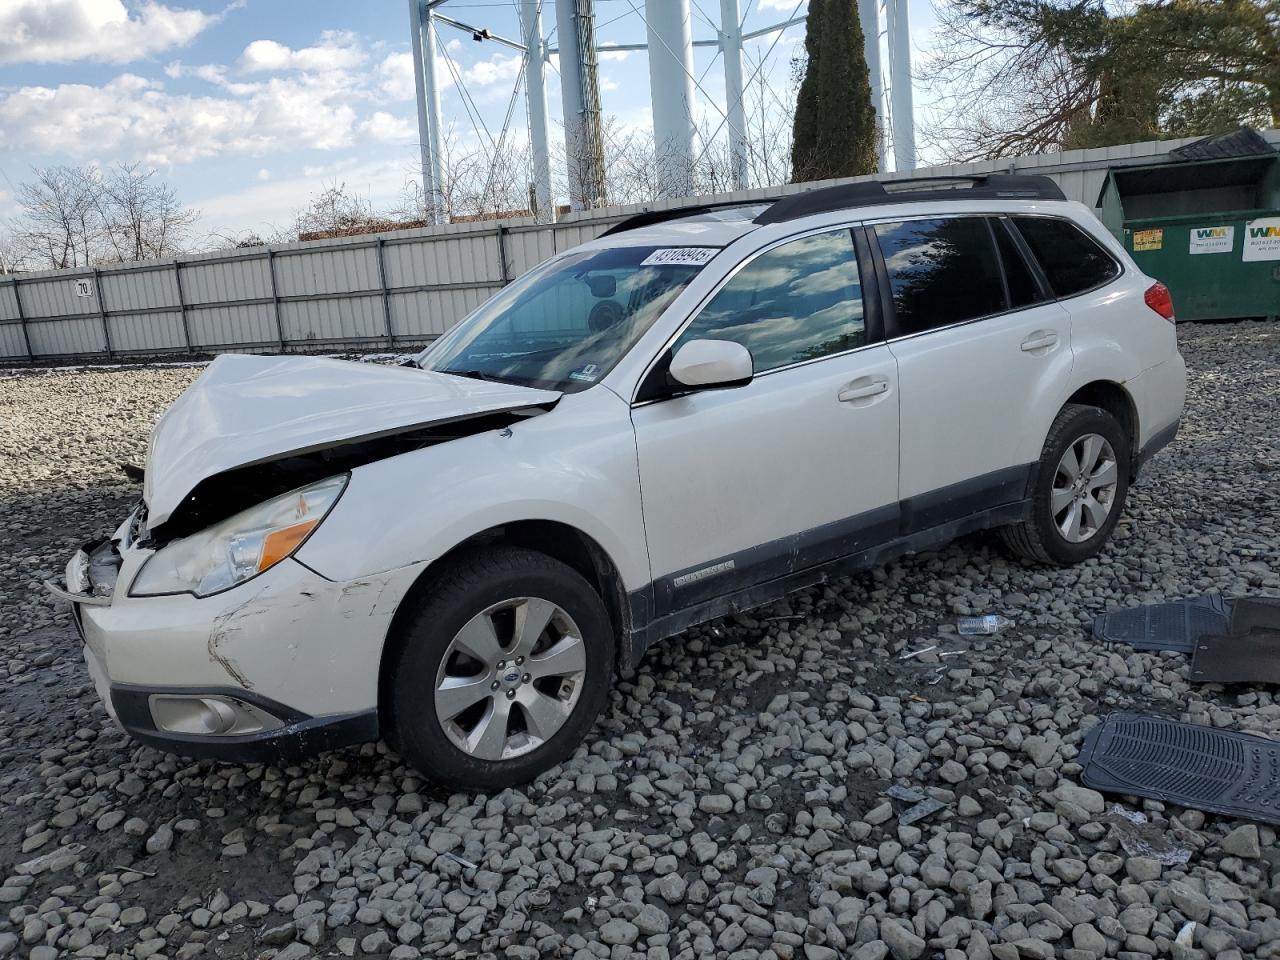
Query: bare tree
x=9 y=257
x=336 y=211
x=77 y=216
x=1005 y=91
x=141 y=216
x=58 y=225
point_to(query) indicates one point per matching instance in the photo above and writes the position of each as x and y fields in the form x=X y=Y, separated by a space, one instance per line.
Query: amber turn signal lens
x=278 y=544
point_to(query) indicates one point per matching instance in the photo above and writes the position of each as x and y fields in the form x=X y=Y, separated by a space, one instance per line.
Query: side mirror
x=704 y=364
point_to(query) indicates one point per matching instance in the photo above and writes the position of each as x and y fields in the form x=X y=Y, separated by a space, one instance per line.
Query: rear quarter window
x=1072 y=261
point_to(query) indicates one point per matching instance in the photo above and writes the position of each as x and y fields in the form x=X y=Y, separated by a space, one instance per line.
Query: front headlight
x=240 y=547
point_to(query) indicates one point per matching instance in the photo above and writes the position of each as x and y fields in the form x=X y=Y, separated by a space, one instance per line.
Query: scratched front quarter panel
x=289 y=634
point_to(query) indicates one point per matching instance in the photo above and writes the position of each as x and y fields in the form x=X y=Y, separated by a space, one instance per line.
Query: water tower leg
x=671 y=86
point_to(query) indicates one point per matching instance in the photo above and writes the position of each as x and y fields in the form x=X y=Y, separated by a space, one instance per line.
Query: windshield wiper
x=475 y=375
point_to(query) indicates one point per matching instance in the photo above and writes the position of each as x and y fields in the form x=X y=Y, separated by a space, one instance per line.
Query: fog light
x=208 y=716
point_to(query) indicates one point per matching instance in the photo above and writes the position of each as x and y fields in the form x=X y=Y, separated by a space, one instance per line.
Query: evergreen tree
x=835 y=125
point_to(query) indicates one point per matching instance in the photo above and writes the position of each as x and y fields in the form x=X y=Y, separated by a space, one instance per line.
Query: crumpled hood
x=245 y=410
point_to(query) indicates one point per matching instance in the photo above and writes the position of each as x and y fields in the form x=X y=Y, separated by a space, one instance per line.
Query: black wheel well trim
x=1115 y=399
x=556 y=539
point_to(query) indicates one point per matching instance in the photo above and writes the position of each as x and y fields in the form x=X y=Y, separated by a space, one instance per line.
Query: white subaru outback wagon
x=693 y=414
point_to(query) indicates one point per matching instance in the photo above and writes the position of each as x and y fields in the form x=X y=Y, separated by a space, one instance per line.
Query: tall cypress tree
x=835 y=124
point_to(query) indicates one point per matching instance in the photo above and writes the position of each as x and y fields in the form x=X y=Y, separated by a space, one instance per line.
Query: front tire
x=503 y=667
x=1078 y=489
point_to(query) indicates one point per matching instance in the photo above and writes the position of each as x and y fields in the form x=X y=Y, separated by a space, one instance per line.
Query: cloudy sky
x=248 y=106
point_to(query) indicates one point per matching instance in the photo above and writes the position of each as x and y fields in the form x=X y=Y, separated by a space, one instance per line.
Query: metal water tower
x=672 y=86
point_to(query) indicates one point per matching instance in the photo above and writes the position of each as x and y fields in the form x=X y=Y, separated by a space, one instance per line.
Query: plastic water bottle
x=982 y=626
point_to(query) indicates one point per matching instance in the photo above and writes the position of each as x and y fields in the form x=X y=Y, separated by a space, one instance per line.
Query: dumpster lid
x=1195 y=175
x=1244 y=142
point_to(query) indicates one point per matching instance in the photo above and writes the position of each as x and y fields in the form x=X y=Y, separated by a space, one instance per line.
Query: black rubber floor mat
x=1217 y=771
x=1250 y=612
x=1165 y=626
x=1252 y=657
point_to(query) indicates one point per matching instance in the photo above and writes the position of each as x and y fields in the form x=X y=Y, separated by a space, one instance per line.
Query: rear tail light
x=1159 y=300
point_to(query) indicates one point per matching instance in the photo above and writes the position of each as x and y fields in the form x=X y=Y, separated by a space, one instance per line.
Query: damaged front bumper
x=279 y=667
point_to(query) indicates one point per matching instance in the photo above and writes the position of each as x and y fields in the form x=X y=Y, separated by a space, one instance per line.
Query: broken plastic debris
x=1186 y=936
x=921 y=806
x=982 y=626
x=461 y=862
x=1133 y=816
x=905 y=794
x=1140 y=838
x=925 y=808
x=916 y=653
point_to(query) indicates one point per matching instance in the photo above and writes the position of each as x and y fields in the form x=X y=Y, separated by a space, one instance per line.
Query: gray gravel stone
x=1243 y=842
x=618 y=931
x=902 y=942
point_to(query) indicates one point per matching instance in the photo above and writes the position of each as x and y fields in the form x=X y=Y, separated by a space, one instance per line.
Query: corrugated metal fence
x=391 y=289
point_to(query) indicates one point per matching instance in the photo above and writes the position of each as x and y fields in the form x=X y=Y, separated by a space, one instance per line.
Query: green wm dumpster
x=1206 y=223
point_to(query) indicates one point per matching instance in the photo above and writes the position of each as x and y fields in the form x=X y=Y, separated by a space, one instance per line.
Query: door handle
x=1040 y=340
x=861 y=390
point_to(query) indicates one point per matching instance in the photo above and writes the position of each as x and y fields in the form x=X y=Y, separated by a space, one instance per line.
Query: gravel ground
x=731 y=802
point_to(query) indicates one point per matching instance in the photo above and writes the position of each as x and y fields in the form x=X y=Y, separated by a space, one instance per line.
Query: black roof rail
x=994 y=186
x=649 y=217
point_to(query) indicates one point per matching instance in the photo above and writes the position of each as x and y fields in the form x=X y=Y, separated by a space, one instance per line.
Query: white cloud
x=394 y=73
x=136 y=117
x=604 y=54
x=383 y=127
x=60 y=31
x=497 y=69
x=210 y=72
x=395 y=76
x=337 y=50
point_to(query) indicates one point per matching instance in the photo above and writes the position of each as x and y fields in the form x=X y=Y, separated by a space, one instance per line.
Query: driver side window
x=799 y=301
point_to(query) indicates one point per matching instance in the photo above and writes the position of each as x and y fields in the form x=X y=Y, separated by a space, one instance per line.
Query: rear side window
x=941 y=271
x=1072 y=261
x=1023 y=288
x=799 y=301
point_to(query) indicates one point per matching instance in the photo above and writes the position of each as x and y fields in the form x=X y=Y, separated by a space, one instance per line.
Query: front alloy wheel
x=499 y=667
x=510 y=678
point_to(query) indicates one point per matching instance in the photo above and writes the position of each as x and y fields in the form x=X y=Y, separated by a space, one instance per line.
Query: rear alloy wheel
x=1078 y=489
x=1084 y=488
x=503 y=664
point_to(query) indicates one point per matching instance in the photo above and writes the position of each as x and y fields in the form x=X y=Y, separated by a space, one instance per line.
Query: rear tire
x=503 y=667
x=1078 y=489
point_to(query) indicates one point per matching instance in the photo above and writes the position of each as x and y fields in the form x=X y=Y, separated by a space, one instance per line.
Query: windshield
x=564 y=325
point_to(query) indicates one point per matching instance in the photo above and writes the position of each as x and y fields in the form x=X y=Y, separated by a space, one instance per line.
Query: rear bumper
x=1159 y=393
x=1158 y=442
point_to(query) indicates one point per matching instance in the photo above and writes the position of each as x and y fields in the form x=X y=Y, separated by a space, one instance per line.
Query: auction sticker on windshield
x=679 y=257
x=588 y=374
